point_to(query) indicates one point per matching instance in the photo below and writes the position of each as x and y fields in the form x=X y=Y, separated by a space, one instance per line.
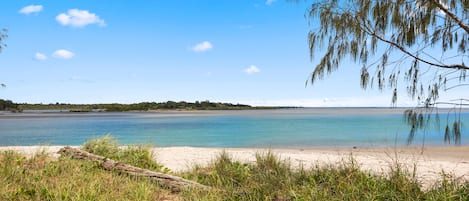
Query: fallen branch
x=174 y=183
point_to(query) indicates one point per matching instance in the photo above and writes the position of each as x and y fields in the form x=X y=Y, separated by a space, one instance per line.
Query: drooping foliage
x=422 y=43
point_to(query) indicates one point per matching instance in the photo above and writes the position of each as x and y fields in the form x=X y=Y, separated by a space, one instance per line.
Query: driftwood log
x=174 y=183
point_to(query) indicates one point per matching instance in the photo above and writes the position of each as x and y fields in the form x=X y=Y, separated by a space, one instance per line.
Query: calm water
x=268 y=128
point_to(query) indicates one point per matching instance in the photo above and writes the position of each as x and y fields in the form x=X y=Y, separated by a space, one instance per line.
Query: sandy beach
x=430 y=162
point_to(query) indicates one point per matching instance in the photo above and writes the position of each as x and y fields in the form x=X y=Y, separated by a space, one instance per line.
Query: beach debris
x=174 y=183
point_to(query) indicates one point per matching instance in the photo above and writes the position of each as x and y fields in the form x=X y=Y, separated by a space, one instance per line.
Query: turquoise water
x=274 y=128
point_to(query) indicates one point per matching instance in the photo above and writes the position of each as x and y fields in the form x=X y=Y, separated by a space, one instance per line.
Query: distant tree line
x=171 y=105
x=143 y=106
x=8 y=105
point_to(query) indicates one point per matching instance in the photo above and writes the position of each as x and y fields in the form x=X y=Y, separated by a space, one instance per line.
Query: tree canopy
x=8 y=105
x=143 y=106
x=421 y=43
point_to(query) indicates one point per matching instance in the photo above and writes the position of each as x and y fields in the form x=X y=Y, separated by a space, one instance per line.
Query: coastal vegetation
x=416 y=46
x=143 y=106
x=43 y=177
x=8 y=105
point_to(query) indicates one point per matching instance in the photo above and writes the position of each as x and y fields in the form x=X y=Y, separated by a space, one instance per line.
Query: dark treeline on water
x=116 y=107
x=8 y=105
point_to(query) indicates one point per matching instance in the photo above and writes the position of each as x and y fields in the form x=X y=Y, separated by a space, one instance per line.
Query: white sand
x=429 y=165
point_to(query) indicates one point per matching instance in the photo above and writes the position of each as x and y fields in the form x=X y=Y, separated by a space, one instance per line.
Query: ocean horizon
x=273 y=128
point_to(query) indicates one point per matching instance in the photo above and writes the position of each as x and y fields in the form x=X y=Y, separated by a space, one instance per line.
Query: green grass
x=42 y=177
x=272 y=179
x=136 y=155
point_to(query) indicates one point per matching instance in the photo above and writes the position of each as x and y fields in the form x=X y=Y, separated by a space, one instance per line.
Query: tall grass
x=136 y=155
x=270 y=178
x=43 y=177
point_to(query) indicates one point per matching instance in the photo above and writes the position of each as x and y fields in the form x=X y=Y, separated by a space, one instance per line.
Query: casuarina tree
x=417 y=47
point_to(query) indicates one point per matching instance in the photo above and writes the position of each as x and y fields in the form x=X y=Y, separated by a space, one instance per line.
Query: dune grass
x=273 y=179
x=42 y=177
x=136 y=155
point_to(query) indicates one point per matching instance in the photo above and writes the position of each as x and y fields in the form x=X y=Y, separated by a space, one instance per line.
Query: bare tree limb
x=174 y=183
x=451 y=15
x=455 y=66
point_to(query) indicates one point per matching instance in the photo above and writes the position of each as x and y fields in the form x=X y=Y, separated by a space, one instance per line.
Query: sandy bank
x=430 y=162
x=182 y=113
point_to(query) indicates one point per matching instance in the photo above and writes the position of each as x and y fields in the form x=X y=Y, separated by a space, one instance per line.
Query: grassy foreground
x=43 y=177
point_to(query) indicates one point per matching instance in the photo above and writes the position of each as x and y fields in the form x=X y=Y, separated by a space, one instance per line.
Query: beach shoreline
x=429 y=162
x=182 y=112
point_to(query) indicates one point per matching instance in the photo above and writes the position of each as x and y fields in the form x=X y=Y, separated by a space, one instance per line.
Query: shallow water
x=339 y=127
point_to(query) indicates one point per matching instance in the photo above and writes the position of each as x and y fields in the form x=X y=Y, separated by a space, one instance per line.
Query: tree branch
x=455 y=66
x=450 y=103
x=459 y=85
x=451 y=15
x=175 y=183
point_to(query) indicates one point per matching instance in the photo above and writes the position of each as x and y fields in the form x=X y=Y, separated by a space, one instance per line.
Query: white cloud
x=79 y=18
x=39 y=56
x=270 y=2
x=63 y=54
x=77 y=78
x=31 y=9
x=252 y=69
x=202 y=47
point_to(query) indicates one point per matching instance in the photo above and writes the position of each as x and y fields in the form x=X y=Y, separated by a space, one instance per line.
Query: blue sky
x=240 y=51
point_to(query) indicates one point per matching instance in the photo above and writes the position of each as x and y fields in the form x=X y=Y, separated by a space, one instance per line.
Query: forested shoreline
x=8 y=105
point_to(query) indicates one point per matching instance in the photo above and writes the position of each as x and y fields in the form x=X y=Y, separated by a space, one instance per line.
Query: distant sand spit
x=181 y=113
x=430 y=162
x=192 y=113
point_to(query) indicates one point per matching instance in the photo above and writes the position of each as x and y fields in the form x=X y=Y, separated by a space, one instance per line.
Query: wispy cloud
x=76 y=78
x=79 y=18
x=270 y=2
x=31 y=9
x=251 y=70
x=63 y=54
x=202 y=47
x=40 y=56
